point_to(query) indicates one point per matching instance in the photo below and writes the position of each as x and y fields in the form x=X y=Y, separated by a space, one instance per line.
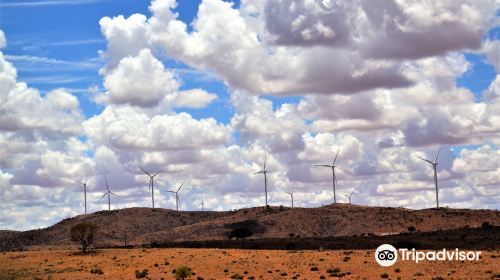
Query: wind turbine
x=291 y=195
x=202 y=204
x=109 y=193
x=264 y=171
x=151 y=187
x=84 y=185
x=177 y=200
x=334 y=179
x=349 y=196
x=434 y=166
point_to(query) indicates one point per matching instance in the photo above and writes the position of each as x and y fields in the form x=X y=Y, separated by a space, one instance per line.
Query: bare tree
x=84 y=233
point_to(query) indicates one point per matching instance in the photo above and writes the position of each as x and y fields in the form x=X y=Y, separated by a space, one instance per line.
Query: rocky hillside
x=144 y=226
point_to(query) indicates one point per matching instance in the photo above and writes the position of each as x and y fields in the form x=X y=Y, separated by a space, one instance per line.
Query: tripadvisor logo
x=387 y=255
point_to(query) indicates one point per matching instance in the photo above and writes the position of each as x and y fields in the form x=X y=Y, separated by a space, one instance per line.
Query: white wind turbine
x=84 y=185
x=177 y=200
x=264 y=171
x=349 y=196
x=334 y=178
x=151 y=186
x=109 y=193
x=202 y=204
x=291 y=195
x=434 y=166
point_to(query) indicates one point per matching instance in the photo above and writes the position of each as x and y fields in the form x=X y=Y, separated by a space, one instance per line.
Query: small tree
x=84 y=234
x=182 y=272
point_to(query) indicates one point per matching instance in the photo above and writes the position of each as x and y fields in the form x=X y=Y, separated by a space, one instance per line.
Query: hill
x=140 y=226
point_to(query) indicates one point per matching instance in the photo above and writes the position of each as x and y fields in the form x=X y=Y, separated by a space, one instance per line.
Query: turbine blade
x=103 y=196
x=334 y=160
x=106 y=180
x=113 y=193
x=323 y=165
x=156 y=174
x=426 y=160
x=265 y=158
x=258 y=172
x=180 y=187
x=435 y=161
x=169 y=191
x=145 y=171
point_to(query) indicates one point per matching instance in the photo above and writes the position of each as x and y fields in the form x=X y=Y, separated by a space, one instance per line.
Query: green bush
x=141 y=274
x=182 y=272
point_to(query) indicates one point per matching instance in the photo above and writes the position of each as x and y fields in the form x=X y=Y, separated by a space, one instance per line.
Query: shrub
x=141 y=274
x=96 y=270
x=411 y=229
x=486 y=225
x=384 y=275
x=314 y=268
x=240 y=233
x=333 y=271
x=83 y=233
x=182 y=272
x=237 y=277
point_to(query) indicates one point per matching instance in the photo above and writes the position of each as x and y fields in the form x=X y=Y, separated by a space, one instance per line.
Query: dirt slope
x=144 y=226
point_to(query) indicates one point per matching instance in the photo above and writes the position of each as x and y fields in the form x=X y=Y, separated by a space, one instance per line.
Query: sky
x=203 y=91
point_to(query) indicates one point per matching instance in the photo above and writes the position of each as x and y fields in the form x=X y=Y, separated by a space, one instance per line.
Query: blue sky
x=295 y=85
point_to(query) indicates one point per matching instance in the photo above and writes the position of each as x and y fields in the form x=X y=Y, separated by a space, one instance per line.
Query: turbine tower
x=349 y=196
x=434 y=166
x=109 y=193
x=84 y=185
x=264 y=171
x=291 y=195
x=177 y=200
x=202 y=204
x=334 y=179
x=151 y=186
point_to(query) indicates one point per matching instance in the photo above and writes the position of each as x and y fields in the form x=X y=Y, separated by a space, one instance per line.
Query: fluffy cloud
x=140 y=80
x=253 y=57
x=3 y=40
x=126 y=128
x=125 y=37
x=22 y=107
x=194 y=98
x=492 y=51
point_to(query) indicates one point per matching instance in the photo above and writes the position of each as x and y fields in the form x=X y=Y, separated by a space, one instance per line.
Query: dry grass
x=224 y=264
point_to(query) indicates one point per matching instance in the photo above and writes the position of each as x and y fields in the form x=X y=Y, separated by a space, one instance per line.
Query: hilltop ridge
x=140 y=226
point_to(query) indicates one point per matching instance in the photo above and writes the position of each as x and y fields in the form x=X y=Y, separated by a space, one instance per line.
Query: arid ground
x=234 y=264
